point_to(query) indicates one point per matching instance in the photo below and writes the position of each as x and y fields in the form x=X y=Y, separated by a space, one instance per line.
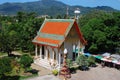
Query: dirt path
x=16 y=53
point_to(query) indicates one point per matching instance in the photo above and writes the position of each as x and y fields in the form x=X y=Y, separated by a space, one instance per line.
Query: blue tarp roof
x=87 y=54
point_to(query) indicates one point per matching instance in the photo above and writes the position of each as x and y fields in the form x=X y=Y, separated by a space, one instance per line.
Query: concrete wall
x=71 y=40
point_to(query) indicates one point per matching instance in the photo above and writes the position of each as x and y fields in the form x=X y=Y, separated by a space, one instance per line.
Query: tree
x=29 y=25
x=101 y=31
x=58 y=17
x=18 y=32
x=26 y=61
x=9 y=38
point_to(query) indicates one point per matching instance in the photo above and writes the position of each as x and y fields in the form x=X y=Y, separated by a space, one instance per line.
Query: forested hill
x=46 y=7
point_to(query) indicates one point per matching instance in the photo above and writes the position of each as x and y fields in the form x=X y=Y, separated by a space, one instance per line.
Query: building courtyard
x=95 y=73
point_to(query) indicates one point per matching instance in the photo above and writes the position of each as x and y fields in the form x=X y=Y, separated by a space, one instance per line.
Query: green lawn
x=2 y=53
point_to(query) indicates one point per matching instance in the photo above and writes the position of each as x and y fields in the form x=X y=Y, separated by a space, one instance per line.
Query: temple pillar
x=59 y=59
x=75 y=52
x=36 y=50
x=40 y=52
x=53 y=54
x=46 y=53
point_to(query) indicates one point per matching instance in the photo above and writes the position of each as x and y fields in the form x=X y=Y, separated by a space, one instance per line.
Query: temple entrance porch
x=47 y=57
x=52 y=57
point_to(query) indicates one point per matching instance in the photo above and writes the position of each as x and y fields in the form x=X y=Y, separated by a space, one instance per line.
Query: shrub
x=55 y=72
x=69 y=63
x=82 y=60
x=73 y=69
x=16 y=67
x=91 y=60
x=5 y=65
x=26 y=61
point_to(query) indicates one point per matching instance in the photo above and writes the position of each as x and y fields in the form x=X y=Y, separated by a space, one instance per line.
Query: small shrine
x=53 y=37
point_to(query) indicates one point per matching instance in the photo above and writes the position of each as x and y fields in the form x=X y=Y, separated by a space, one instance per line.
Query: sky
x=86 y=3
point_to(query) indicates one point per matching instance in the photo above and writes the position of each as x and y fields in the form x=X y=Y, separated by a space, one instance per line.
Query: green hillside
x=49 y=7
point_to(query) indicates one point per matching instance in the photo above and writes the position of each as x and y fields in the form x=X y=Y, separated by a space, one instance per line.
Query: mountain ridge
x=47 y=7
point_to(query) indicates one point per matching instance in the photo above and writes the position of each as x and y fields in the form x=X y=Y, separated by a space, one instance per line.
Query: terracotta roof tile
x=47 y=40
x=54 y=31
x=58 y=28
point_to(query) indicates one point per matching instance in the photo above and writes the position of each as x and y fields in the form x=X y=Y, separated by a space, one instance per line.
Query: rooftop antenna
x=77 y=12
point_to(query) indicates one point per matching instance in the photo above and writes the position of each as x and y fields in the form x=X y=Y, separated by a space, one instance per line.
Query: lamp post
x=65 y=71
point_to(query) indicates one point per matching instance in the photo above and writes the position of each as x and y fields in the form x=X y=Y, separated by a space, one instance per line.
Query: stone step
x=43 y=63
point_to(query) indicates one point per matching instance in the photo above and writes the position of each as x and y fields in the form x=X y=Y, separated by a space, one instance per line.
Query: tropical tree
x=9 y=37
x=58 y=17
x=101 y=31
x=18 y=32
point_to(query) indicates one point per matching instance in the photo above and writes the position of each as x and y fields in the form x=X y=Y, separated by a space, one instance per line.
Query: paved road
x=46 y=77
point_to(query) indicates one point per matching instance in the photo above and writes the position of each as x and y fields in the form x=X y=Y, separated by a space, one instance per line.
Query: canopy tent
x=98 y=57
x=106 y=60
x=87 y=54
x=114 y=61
x=106 y=55
x=116 y=56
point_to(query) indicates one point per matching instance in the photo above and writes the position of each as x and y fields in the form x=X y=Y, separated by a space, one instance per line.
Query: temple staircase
x=46 y=64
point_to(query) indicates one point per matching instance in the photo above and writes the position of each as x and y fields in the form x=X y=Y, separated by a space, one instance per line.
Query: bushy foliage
x=55 y=72
x=17 y=32
x=69 y=63
x=5 y=65
x=16 y=68
x=26 y=61
x=101 y=30
x=91 y=60
x=82 y=60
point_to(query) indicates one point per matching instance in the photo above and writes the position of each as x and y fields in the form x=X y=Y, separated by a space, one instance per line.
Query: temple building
x=53 y=37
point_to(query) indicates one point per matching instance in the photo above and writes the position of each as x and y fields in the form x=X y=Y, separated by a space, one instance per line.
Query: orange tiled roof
x=58 y=28
x=47 y=40
x=54 y=31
